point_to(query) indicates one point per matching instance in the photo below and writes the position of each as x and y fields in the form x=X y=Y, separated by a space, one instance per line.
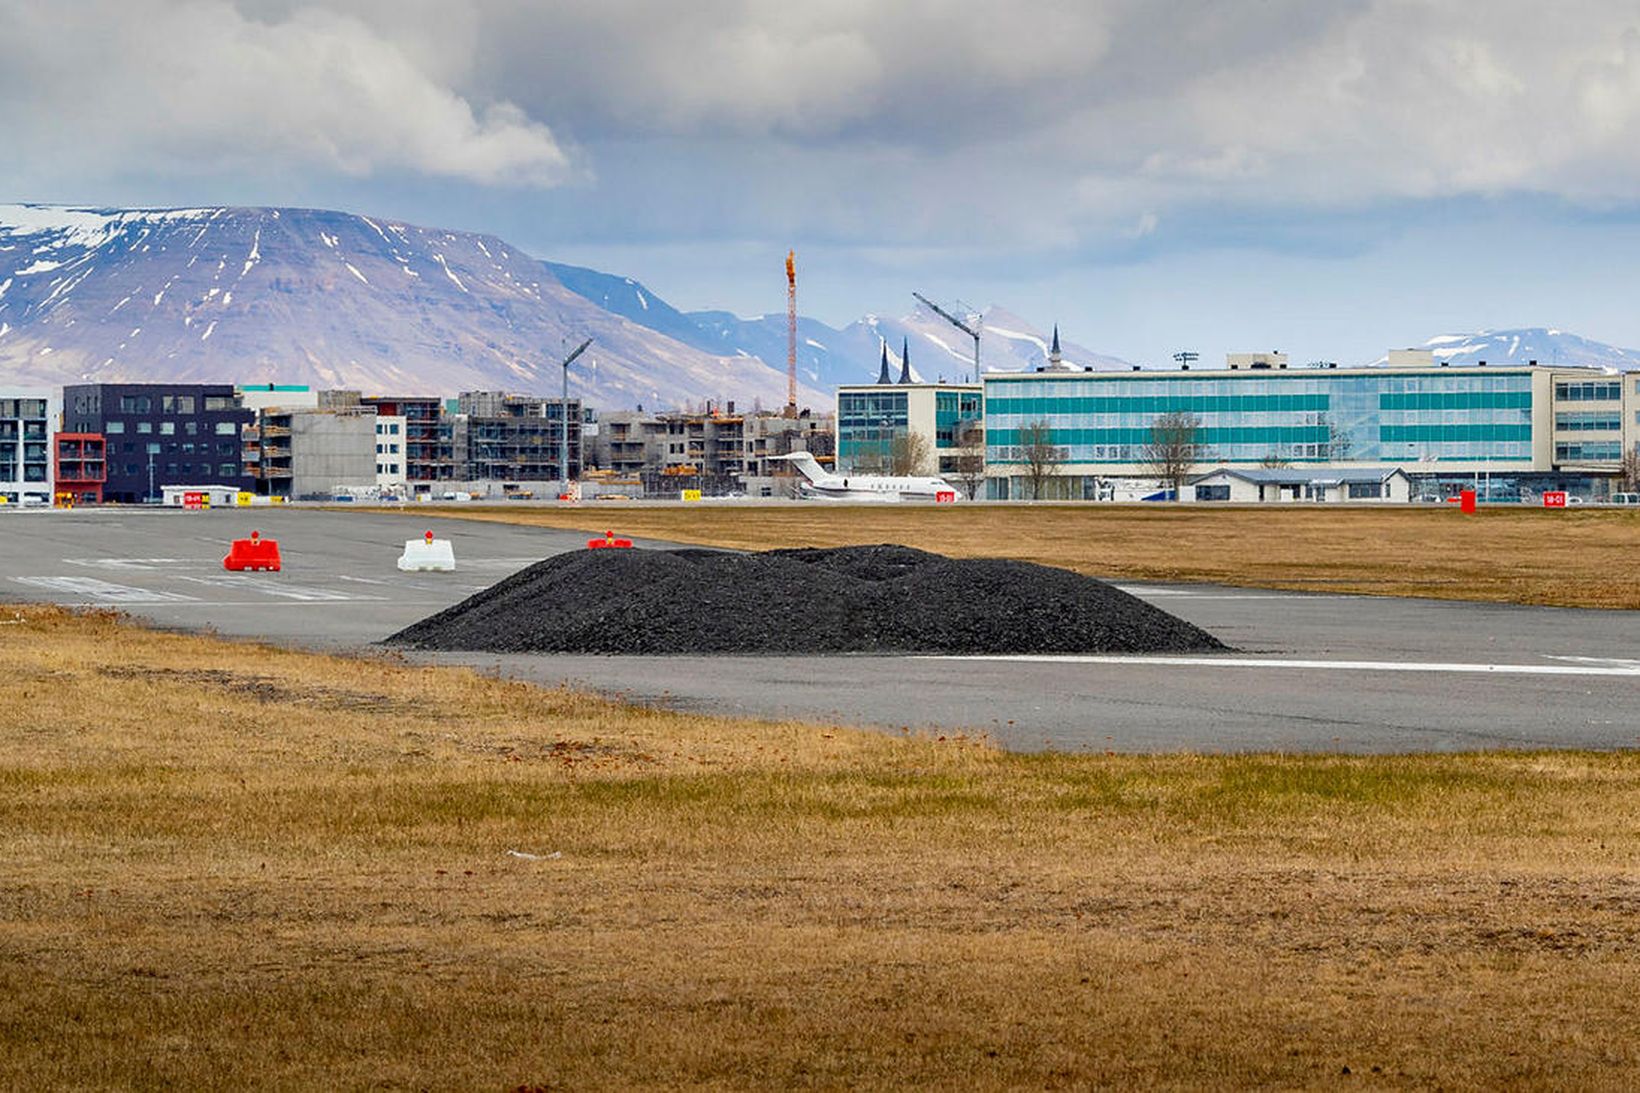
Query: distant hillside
x=329 y=299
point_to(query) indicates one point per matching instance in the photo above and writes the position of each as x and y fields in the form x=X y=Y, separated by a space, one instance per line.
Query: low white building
x=1323 y=484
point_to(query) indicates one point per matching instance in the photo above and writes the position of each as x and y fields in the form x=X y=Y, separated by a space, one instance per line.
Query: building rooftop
x=1301 y=476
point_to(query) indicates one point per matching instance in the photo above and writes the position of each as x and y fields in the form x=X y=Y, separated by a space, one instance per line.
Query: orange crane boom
x=791 y=333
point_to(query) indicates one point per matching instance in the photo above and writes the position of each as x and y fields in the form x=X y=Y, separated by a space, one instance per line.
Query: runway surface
x=1312 y=672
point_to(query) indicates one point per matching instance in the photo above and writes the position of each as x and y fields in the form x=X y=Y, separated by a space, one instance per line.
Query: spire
x=905 y=361
x=882 y=375
x=1054 y=358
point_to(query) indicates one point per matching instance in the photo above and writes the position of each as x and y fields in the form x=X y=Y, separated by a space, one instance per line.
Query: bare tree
x=1174 y=448
x=1274 y=460
x=1629 y=469
x=1042 y=458
x=1338 y=440
x=968 y=464
x=910 y=453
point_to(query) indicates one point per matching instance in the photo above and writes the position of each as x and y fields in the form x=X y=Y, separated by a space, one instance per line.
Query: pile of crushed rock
x=876 y=599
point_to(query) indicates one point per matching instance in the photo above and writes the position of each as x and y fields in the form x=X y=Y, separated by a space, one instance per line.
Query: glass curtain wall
x=1297 y=418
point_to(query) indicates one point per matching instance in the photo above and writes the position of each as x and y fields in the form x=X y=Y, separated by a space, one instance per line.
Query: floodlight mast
x=971 y=331
x=563 y=410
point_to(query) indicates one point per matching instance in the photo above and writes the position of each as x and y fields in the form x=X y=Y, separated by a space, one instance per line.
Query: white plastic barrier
x=428 y=555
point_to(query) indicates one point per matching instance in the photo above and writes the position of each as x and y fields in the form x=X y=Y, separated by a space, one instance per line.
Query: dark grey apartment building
x=162 y=434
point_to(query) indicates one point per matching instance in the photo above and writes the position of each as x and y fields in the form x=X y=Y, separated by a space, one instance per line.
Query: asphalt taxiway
x=1312 y=672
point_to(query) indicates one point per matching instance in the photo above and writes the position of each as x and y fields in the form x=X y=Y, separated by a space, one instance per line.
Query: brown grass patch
x=1563 y=559
x=231 y=865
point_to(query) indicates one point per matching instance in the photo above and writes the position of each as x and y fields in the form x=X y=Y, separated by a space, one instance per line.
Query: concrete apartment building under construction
x=717 y=451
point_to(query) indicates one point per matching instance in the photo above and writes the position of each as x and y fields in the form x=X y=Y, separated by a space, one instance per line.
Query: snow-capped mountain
x=828 y=356
x=1548 y=347
x=324 y=298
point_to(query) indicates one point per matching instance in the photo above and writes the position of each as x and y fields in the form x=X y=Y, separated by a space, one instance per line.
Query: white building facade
x=390 y=449
x=28 y=435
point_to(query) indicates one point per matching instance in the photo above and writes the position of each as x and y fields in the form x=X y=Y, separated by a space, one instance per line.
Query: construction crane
x=971 y=331
x=563 y=409
x=791 y=333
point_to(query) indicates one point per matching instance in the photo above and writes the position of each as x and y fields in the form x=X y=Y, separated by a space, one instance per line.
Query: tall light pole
x=563 y=414
x=971 y=331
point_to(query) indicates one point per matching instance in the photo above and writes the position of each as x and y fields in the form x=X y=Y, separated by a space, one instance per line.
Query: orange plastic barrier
x=609 y=540
x=253 y=553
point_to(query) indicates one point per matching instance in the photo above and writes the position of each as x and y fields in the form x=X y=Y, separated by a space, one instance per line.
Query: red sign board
x=193 y=500
x=1554 y=499
x=942 y=497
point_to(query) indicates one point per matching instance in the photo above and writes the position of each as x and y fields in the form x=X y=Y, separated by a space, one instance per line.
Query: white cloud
x=180 y=86
x=1046 y=125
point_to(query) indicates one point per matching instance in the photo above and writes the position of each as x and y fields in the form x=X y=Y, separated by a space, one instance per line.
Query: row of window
x=187 y=447
x=32 y=472
x=1590 y=391
x=1184 y=385
x=176 y=404
x=1358 y=491
x=1589 y=451
x=1242 y=404
x=227 y=470
x=22 y=407
x=31 y=430
x=1214 y=436
x=169 y=428
x=387 y=449
x=1589 y=421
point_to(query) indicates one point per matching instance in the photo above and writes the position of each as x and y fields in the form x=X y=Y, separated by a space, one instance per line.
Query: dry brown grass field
x=229 y=865
x=1566 y=559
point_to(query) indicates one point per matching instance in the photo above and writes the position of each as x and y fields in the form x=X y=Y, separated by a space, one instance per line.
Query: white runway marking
x=1614 y=661
x=145 y=564
x=1612 y=668
x=1144 y=592
x=276 y=587
x=103 y=591
x=506 y=564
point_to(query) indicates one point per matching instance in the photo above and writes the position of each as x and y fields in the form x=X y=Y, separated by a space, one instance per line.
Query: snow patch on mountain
x=1521 y=345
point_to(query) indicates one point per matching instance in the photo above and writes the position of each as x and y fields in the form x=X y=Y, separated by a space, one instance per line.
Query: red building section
x=82 y=468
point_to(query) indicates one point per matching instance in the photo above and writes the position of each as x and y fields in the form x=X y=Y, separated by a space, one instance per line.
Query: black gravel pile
x=881 y=599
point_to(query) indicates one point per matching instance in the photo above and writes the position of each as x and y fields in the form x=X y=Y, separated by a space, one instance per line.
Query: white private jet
x=827 y=486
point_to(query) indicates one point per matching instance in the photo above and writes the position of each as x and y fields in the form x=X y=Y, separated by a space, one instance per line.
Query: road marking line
x=1625 y=669
x=103 y=591
x=1144 y=592
x=1617 y=661
x=275 y=587
x=138 y=563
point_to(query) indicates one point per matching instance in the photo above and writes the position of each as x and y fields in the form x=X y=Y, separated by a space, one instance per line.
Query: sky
x=1329 y=178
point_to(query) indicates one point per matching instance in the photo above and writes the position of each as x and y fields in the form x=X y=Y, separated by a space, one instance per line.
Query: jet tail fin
x=806 y=464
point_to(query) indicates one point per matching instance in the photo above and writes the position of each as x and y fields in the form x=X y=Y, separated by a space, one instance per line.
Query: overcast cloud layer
x=910 y=138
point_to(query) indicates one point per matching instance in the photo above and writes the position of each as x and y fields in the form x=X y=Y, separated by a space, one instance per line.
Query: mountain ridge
x=264 y=294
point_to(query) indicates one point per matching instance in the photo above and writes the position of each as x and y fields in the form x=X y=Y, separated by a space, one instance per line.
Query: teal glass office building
x=1438 y=419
